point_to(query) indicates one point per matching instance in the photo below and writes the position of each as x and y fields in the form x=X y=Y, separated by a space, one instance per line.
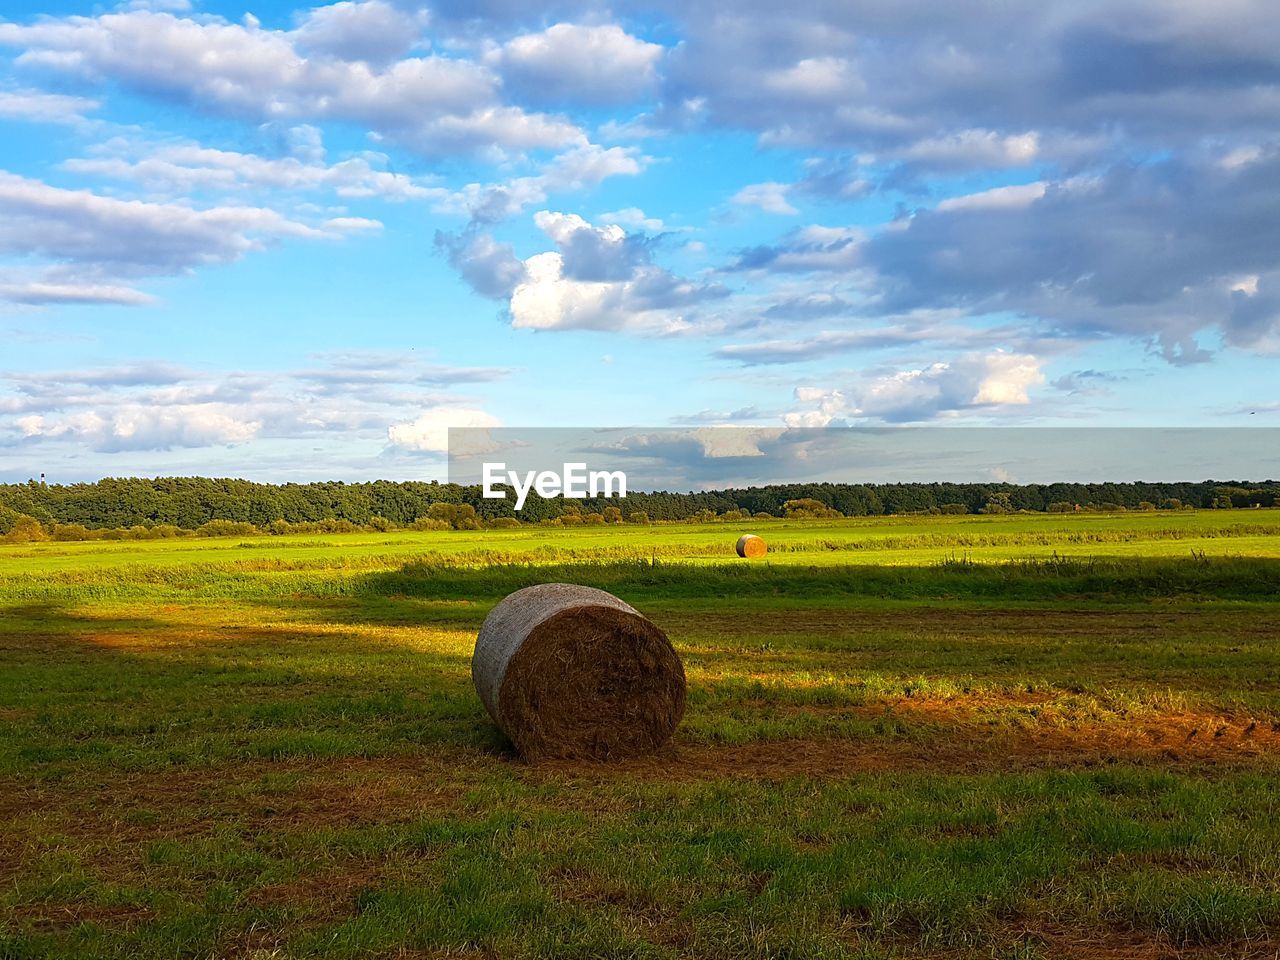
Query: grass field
x=987 y=737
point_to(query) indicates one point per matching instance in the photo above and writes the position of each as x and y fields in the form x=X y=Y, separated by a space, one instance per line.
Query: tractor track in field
x=943 y=736
x=111 y=808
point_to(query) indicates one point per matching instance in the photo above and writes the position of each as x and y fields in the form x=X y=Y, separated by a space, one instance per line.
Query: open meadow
x=986 y=736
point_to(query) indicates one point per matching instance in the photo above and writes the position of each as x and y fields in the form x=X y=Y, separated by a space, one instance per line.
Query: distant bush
x=637 y=516
x=225 y=528
x=73 y=532
x=156 y=531
x=280 y=528
x=764 y=516
x=459 y=516
x=998 y=503
x=593 y=519
x=807 y=508
x=953 y=508
x=9 y=519
x=428 y=523
x=504 y=523
x=20 y=528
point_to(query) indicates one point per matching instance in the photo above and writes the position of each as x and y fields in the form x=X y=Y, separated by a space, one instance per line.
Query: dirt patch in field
x=658 y=921
x=1053 y=941
x=1013 y=622
x=51 y=916
x=255 y=796
x=332 y=890
x=942 y=736
x=12 y=852
x=442 y=953
x=957 y=745
x=1062 y=944
x=109 y=823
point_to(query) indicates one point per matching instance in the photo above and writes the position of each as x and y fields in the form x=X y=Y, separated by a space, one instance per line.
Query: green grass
x=960 y=737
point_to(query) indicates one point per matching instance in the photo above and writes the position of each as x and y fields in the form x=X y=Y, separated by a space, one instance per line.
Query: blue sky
x=293 y=242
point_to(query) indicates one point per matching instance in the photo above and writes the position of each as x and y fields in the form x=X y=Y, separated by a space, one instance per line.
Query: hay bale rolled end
x=573 y=672
x=751 y=546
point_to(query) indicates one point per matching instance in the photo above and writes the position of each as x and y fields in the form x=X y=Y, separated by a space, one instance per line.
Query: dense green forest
x=190 y=502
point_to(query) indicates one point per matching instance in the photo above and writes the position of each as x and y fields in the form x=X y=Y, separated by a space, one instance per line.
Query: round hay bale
x=751 y=546
x=573 y=672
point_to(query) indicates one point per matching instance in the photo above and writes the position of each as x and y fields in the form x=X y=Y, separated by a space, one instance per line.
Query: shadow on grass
x=52 y=619
x=1056 y=578
x=140 y=692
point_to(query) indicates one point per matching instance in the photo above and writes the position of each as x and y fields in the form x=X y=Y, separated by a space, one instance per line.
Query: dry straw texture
x=574 y=672
x=749 y=545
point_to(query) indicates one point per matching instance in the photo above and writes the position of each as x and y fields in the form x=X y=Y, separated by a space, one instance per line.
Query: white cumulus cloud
x=429 y=432
x=601 y=278
x=372 y=30
x=133 y=427
x=571 y=62
x=968 y=383
x=37 y=106
x=430 y=103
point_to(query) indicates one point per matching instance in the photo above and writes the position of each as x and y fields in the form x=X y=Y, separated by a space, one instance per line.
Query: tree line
x=189 y=503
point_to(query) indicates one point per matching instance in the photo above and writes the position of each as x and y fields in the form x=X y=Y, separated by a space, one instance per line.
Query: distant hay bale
x=573 y=672
x=750 y=546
